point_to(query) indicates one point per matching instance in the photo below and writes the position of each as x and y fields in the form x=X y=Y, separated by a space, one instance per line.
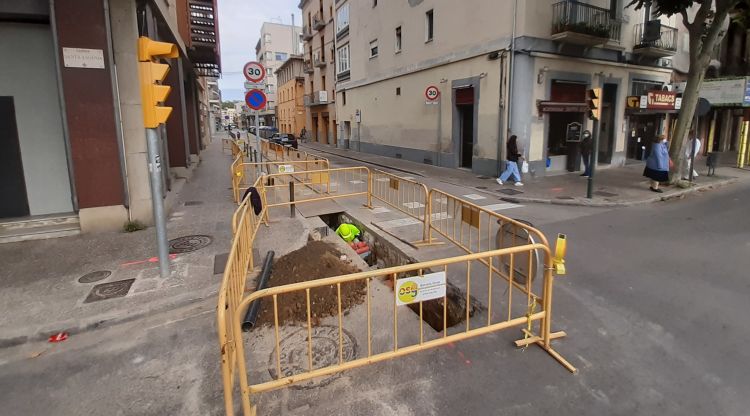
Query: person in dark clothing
x=511 y=166
x=657 y=164
x=586 y=145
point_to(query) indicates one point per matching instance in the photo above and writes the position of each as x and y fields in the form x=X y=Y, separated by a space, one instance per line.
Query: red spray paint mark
x=149 y=260
x=59 y=337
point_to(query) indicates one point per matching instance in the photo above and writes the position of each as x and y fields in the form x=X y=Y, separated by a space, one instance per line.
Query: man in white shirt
x=695 y=146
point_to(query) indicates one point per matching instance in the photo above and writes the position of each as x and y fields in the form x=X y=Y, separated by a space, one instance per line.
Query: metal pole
x=593 y=159
x=292 y=208
x=155 y=177
x=257 y=135
x=692 y=148
x=439 y=129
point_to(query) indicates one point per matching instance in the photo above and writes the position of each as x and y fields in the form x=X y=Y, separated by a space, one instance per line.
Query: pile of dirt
x=317 y=260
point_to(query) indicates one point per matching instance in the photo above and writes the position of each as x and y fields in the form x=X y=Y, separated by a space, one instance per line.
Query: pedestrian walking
x=511 y=166
x=586 y=146
x=303 y=134
x=695 y=146
x=658 y=163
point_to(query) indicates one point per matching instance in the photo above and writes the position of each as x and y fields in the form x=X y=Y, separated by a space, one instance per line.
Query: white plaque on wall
x=83 y=58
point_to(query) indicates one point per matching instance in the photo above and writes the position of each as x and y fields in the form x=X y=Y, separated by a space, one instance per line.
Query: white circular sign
x=432 y=93
x=254 y=71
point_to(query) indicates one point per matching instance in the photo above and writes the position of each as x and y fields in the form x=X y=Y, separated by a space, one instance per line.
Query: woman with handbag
x=658 y=163
x=511 y=165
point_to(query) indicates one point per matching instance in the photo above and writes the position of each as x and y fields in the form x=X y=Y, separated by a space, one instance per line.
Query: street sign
x=254 y=85
x=255 y=99
x=432 y=93
x=254 y=71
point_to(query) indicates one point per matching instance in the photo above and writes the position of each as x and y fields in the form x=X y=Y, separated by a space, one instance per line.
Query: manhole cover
x=189 y=243
x=481 y=187
x=564 y=197
x=94 y=276
x=192 y=203
x=325 y=352
x=110 y=290
x=511 y=191
x=605 y=194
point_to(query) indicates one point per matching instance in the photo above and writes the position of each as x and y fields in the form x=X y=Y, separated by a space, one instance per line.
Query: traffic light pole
x=154 y=169
x=593 y=160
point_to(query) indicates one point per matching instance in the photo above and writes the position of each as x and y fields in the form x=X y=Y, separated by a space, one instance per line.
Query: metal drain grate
x=605 y=194
x=94 y=276
x=110 y=290
x=193 y=203
x=189 y=243
x=510 y=191
x=220 y=262
x=480 y=187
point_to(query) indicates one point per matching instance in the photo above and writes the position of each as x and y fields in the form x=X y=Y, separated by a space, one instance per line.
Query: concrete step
x=39 y=227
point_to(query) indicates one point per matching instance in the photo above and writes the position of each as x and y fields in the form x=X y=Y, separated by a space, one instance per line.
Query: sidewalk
x=613 y=187
x=40 y=292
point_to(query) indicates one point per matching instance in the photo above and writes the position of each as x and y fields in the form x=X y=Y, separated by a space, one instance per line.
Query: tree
x=705 y=32
x=227 y=104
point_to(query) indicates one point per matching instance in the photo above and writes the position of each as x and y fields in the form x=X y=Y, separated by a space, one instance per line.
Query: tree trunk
x=689 y=102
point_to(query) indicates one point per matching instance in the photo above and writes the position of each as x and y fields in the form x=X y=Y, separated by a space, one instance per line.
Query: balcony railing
x=574 y=17
x=307 y=67
x=306 y=33
x=665 y=45
x=318 y=21
x=316 y=98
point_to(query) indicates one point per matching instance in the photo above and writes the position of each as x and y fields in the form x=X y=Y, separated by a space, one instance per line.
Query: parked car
x=284 y=139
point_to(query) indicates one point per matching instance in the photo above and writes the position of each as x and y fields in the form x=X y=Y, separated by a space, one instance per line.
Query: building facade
x=524 y=72
x=318 y=32
x=291 y=108
x=276 y=44
x=73 y=139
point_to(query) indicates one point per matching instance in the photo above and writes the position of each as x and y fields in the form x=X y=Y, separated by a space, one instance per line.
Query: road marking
x=380 y=210
x=413 y=205
x=382 y=179
x=440 y=216
x=500 y=207
x=355 y=182
x=401 y=222
x=408 y=178
x=474 y=197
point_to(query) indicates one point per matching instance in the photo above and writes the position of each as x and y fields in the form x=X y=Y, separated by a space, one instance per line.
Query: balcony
x=583 y=24
x=306 y=33
x=318 y=21
x=307 y=67
x=319 y=62
x=317 y=98
x=654 y=39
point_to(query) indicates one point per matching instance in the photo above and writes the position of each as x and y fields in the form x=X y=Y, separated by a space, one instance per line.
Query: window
x=323 y=81
x=281 y=56
x=267 y=38
x=343 y=97
x=429 y=26
x=398 y=90
x=269 y=71
x=342 y=18
x=398 y=39
x=269 y=56
x=374 y=3
x=374 y=48
x=343 y=63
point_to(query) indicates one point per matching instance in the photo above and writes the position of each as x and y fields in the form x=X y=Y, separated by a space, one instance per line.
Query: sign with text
x=661 y=100
x=254 y=71
x=83 y=58
x=420 y=288
x=733 y=91
x=432 y=94
x=286 y=168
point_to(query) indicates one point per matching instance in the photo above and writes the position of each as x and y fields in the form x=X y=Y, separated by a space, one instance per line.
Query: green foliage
x=133 y=226
x=227 y=104
x=664 y=7
x=598 y=30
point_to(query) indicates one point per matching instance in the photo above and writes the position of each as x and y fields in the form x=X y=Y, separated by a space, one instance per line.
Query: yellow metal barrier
x=310 y=186
x=244 y=174
x=239 y=263
x=408 y=196
x=471 y=268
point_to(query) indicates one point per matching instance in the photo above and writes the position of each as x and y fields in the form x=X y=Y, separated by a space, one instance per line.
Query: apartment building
x=72 y=142
x=501 y=67
x=319 y=66
x=276 y=44
x=291 y=107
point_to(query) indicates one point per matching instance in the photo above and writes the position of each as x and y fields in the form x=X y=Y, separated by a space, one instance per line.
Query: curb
x=366 y=161
x=93 y=324
x=614 y=204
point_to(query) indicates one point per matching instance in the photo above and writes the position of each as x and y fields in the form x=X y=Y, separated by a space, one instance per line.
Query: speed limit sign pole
x=255 y=73
x=432 y=97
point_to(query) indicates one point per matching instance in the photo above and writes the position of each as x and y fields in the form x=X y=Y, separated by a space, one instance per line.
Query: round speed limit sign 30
x=254 y=71
x=432 y=93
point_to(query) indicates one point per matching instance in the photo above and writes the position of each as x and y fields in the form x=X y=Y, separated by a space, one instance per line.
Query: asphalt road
x=655 y=306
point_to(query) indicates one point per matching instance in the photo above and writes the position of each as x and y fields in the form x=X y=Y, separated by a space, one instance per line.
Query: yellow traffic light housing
x=151 y=75
x=594 y=101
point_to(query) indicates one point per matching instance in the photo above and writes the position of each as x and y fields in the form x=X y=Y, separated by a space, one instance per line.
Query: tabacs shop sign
x=655 y=100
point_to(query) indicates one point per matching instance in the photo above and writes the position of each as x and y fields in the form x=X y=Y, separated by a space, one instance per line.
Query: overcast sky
x=239 y=30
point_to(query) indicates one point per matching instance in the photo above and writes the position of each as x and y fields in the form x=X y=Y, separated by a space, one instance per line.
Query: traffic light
x=594 y=101
x=151 y=75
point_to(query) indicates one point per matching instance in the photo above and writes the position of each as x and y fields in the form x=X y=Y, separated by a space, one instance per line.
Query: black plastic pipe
x=252 y=312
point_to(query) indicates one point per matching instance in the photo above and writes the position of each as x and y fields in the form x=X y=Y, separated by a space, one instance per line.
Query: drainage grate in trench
x=193 y=203
x=510 y=191
x=189 y=243
x=110 y=290
x=605 y=194
x=325 y=352
x=94 y=276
